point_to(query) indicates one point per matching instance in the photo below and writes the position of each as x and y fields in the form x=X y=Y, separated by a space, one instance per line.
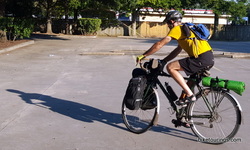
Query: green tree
x=19 y=8
x=2 y=13
x=67 y=8
x=102 y=9
x=2 y=7
x=47 y=9
x=248 y=10
x=235 y=8
x=16 y=27
x=56 y=8
x=88 y=26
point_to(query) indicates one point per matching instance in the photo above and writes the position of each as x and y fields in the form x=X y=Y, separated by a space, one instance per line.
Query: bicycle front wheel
x=215 y=116
x=140 y=120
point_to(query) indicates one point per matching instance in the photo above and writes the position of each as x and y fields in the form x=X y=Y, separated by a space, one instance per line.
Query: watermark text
x=218 y=140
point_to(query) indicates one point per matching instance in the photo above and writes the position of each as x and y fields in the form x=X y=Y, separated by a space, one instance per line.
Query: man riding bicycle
x=199 y=51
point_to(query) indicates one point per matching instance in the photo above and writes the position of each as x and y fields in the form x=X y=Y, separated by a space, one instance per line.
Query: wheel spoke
x=223 y=120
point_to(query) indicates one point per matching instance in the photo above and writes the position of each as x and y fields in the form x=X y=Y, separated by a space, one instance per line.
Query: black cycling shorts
x=192 y=65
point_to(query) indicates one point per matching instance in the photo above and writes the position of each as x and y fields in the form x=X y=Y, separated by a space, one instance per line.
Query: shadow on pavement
x=71 y=109
x=87 y=113
x=47 y=37
x=174 y=132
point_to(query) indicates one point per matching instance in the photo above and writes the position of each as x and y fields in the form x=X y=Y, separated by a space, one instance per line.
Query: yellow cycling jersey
x=193 y=46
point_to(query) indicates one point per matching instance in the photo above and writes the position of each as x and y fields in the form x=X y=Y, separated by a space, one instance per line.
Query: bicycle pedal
x=177 y=123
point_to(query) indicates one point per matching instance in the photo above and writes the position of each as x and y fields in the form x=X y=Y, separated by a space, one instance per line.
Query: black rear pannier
x=134 y=92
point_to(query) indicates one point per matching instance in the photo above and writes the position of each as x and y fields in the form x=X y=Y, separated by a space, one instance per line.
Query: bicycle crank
x=179 y=123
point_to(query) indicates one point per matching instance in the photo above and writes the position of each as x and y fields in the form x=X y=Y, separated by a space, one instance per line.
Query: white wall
x=194 y=18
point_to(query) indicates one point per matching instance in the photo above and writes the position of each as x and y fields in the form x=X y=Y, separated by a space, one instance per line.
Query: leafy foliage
x=235 y=8
x=19 y=8
x=238 y=11
x=88 y=26
x=130 y=5
x=16 y=27
x=51 y=9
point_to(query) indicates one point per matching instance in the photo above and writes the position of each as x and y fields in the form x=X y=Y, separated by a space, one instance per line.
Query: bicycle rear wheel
x=140 y=120
x=215 y=117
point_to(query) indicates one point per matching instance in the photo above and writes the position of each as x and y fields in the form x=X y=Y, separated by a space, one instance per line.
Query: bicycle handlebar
x=155 y=66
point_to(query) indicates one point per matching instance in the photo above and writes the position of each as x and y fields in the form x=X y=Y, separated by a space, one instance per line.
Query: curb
x=128 y=52
x=183 y=54
x=236 y=55
x=101 y=53
x=64 y=35
x=16 y=46
x=77 y=36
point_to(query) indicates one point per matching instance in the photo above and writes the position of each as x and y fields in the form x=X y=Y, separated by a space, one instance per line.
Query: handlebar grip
x=155 y=63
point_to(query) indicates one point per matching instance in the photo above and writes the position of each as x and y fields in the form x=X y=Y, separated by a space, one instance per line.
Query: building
x=150 y=21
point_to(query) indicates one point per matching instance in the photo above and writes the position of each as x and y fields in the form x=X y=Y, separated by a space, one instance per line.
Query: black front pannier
x=134 y=92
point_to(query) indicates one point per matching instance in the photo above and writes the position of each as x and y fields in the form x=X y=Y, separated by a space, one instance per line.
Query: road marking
x=217 y=69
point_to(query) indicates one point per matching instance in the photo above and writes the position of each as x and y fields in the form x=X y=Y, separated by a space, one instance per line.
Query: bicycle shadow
x=87 y=113
x=71 y=109
x=174 y=132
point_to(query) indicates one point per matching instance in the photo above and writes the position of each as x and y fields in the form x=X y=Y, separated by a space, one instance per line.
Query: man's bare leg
x=173 y=69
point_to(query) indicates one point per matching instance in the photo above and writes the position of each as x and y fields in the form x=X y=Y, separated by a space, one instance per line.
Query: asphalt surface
x=56 y=95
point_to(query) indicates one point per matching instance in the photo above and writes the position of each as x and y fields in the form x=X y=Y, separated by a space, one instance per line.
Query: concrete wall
x=194 y=18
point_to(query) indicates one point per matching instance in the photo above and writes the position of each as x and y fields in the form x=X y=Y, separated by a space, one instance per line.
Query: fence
x=152 y=29
x=235 y=33
x=146 y=29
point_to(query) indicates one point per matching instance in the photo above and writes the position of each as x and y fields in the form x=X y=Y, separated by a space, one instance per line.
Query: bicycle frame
x=155 y=81
x=166 y=93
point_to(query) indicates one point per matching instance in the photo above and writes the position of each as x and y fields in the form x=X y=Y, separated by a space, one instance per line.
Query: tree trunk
x=133 y=32
x=3 y=37
x=49 y=25
x=2 y=7
x=49 y=18
x=67 y=29
x=75 y=15
x=134 y=17
x=216 y=27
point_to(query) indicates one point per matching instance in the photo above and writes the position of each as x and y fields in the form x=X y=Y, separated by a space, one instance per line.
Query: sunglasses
x=169 y=22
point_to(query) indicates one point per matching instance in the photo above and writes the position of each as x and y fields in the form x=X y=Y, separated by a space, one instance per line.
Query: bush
x=88 y=26
x=16 y=27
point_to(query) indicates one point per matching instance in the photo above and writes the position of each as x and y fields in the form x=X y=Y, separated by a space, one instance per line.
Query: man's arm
x=158 y=45
x=173 y=54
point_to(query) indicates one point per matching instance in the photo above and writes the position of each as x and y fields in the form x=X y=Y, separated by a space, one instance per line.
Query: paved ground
x=55 y=98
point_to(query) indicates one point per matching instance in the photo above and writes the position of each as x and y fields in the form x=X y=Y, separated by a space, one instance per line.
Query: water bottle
x=173 y=96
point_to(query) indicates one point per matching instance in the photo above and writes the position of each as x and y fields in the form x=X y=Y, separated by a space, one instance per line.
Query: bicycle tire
x=223 y=124
x=140 y=120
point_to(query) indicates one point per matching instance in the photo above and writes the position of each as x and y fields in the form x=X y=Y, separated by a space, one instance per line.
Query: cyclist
x=199 y=51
